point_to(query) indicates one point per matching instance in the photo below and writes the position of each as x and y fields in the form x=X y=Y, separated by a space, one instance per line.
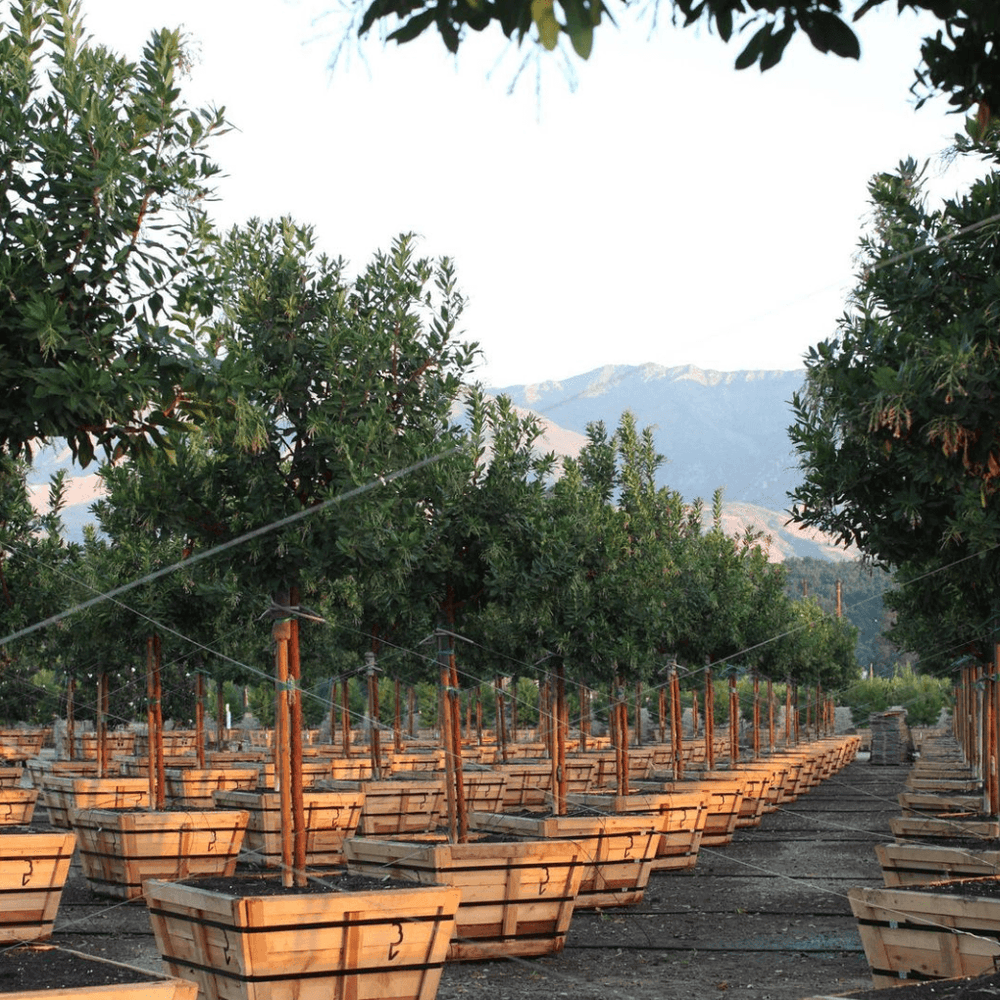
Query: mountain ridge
x=715 y=428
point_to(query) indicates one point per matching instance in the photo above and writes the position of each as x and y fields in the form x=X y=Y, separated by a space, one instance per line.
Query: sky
x=659 y=208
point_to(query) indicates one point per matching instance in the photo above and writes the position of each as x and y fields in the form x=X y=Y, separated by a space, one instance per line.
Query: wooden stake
x=295 y=727
x=160 y=801
x=345 y=715
x=734 y=721
x=101 y=716
x=709 y=719
x=70 y=720
x=281 y=632
x=374 y=741
x=199 y=717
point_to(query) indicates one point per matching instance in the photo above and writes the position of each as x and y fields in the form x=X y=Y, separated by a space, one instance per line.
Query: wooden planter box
x=17 y=806
x=915 y=935
x=959 y=825
x=753 y=787
x=529 y=785
x=414 y=760
x=409 y=807
x=33 y=871
x=121 y=744
x=484 y=790
x=685 y=816
x=723 y=805
x=380 y=945
x=517 y=897
x=22 y=742
x=10 y=777
x=603 y=775
x=928 y=804
x=331 y=817
x=619 y=850
x=120 y=851
x=192 y=787
x=313 y=772
x=917 y=864
x=62 y=795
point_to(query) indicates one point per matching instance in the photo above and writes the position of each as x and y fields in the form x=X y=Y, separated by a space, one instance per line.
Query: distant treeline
x=861 y=597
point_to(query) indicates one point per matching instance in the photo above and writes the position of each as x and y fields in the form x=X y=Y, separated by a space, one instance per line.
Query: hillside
x=716 y=429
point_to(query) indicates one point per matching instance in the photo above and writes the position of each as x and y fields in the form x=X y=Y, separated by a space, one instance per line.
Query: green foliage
x=961 y=60
x=921 y=695
x=862 y=587
x=103 y=268
x=896 y=428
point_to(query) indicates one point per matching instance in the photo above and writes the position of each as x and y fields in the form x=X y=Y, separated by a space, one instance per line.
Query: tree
x=103 y=279
x=961 y=59
x=896 y=427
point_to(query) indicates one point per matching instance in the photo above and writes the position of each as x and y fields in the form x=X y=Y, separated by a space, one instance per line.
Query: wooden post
x=638 y=713
x=397 y=715
x=756 y=714
x=374 y=738
x=734 y=721
x=332 y=712
x=70 y=720
x=795 y=710
x=501 y=720
x=101 y=727
x=160 y=800
x=281 y=631
x=770 y=716
x=220 y=713
x=709 y=720
x=479 y=714
x=345 y=715
x=676 y=723
x=662 y=705
x=411 y=705
x=199 y=717
x=994 y=754
x=559 y=757
x=584 y=715
x=295 y=727
x=150 y=722
x=454 y=690
x=788 y=711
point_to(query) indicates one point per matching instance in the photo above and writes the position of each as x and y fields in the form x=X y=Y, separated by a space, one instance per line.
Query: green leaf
x=545 y=20
x=414 y=27
x=751 y=53
x=829 y=33
x=579 y=27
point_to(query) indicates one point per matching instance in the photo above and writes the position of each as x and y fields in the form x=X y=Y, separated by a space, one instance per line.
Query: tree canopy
x=897 y=427
x=103 y=281
x=961 y=59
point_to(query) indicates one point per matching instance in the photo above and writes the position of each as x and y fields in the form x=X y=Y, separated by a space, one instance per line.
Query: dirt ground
x=763 y=918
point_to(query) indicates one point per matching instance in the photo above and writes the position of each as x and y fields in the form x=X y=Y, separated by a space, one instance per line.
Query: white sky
x=669 y=210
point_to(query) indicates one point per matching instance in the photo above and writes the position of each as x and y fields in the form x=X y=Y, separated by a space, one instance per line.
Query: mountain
x=716 y=429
